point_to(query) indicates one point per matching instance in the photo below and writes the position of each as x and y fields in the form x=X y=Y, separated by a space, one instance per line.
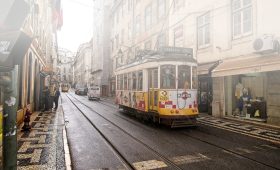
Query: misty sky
x=77 y=24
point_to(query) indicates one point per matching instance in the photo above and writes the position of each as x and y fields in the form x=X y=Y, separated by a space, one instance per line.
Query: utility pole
x=9 y=82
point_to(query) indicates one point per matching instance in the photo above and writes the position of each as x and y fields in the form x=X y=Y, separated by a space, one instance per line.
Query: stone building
x=65 y=63
x=82 y=65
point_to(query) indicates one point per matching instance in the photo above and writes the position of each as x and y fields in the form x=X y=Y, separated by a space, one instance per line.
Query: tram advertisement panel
x=184 y=101
x=136 y=100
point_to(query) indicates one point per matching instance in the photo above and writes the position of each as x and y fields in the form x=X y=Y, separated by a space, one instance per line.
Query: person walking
x=52 y=94
x=46 y=93
x=56 y=97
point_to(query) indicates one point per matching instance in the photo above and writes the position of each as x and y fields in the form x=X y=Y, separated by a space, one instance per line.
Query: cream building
x=232 y=40
x=65 y=63
x=82 y=65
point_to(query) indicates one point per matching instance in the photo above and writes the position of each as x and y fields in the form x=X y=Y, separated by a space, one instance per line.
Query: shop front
x=205 y=86
x=248 y=88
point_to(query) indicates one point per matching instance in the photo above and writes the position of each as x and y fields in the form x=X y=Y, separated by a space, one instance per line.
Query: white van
x=93 y=93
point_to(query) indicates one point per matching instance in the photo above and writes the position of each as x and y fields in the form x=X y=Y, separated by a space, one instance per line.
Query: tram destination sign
x=176 y=50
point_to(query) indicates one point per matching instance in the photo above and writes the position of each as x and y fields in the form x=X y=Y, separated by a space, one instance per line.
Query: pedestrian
x=52 y=94
x=46 y=98
x=56 y=97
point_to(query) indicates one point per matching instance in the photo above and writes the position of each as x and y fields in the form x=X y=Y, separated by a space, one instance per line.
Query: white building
x=66 y=59
x=82 y=65
x=232 y=40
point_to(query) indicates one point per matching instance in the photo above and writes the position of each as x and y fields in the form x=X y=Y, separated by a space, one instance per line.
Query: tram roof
x=163 y=54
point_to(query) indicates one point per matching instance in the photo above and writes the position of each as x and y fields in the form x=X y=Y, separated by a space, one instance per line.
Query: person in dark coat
x=56 y=97
x=46 y=98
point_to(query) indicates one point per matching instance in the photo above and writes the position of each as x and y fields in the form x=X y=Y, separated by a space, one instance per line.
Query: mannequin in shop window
x=244 y=101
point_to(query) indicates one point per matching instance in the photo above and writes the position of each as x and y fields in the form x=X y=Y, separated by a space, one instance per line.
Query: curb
x=268 y=126
x=67 y=155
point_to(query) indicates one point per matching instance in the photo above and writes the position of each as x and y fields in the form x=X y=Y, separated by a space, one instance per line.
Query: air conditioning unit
x=267 y=44
x=264 y=44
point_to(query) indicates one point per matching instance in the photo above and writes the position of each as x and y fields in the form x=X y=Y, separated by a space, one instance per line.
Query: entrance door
x=153 y=89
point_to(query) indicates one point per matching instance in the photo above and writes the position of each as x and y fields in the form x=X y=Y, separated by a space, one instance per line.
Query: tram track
x=201 y=140
x=125 y=161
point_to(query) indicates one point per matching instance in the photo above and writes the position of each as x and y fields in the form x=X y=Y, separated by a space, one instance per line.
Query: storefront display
x=247 y=97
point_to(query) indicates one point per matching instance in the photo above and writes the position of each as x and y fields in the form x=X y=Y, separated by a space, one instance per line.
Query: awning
x=247 y=65
x=13 y=47
x=205 y=68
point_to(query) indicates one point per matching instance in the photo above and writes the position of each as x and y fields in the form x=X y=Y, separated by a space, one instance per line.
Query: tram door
x=153 y=89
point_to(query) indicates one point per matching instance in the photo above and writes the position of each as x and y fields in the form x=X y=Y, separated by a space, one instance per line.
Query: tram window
x=118 y=82
x=125 y=81
x=134 y=80
x=153 y=78
x=140 y=81
x=121 y=81
x=194 y=77
x=167 y=76
x=184 y=77
x=129 y=80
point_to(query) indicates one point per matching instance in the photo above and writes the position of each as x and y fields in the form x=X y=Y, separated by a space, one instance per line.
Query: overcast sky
x=77 y=24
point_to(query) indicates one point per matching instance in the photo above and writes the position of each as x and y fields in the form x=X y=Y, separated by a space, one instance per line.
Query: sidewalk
x=44 y=146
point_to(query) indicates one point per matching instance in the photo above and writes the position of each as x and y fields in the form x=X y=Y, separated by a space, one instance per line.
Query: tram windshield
x=167 y=76
x=184 y=77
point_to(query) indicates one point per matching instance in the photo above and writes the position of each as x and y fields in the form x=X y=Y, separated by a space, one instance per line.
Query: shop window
x=140 y=81
x=125 y=82
x=134 y=81
x=194 y=77
x=184 y=77
x=167 y=76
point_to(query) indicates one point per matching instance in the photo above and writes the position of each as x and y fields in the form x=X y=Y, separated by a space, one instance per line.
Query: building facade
x=82 y=65
x=65 y=63
x=236 y=44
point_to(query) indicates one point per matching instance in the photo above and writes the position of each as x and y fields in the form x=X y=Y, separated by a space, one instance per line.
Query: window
x=148 y=45
x=117 y=41
x=161 y=9
x=134 y=81
x=203 y=30
x=167 y=77
x=118 y=82
x=178 y=37
x=129 y=81
x=140 y=81
x=129 y=5
x=125 y=82
x=241 y=17
x=122 y=36
x=148 y=17
x=112 y=44
x=161 y=40
x=121 y=82
x=178 y=4
x=194 y=78
x=129 y=31
x=137 y=26
x=184 y=77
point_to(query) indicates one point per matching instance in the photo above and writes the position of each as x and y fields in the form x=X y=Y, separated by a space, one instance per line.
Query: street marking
x=150 y=164
x=243 y=151
x=187 y=159
x=35 y=156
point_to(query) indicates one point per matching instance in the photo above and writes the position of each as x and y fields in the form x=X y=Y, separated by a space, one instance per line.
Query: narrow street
x=101 y=136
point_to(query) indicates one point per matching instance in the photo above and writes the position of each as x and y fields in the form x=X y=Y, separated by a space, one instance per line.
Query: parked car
x=94 y=93
x=81 y=91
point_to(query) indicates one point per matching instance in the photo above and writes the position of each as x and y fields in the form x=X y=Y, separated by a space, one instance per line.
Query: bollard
x=26 y=127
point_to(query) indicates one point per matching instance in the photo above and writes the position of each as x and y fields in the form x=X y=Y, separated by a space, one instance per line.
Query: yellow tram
x=65 y=87
x=161 y=85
